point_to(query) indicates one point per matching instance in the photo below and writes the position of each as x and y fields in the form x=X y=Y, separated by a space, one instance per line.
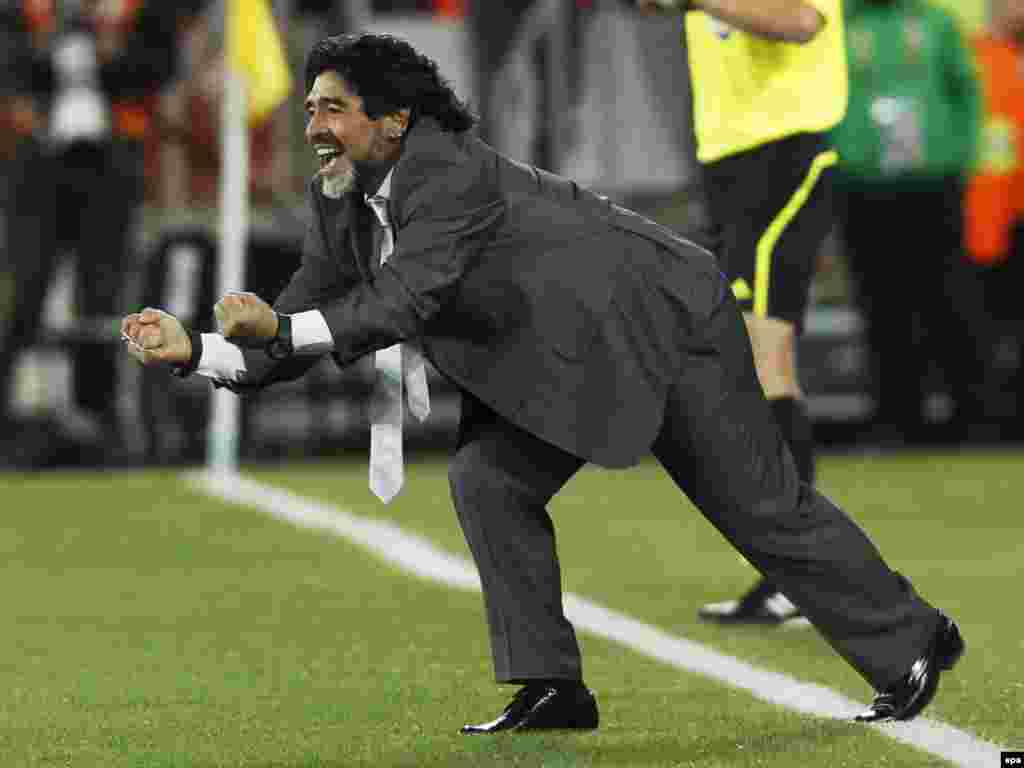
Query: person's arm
x=19 y=115
x=449 y=216
x=25 y=67
x=790 y=21
x=248 y=320
x=445 y=223
x=8 y=52
x=148 y=58
x=155 y=337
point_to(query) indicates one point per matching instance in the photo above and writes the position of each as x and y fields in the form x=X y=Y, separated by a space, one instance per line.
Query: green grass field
x=147 y=626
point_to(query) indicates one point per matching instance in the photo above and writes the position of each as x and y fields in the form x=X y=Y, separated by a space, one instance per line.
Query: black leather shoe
x=540 y=706
x=917 y=688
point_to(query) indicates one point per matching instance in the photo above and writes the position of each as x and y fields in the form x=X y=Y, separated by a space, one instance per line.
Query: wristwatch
x=280 y=347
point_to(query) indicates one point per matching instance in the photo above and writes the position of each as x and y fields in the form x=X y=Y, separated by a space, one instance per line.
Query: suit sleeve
x=446 y=220
x=307 y=287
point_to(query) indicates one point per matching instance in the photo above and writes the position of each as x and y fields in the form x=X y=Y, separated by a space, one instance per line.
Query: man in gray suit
x=577 y=331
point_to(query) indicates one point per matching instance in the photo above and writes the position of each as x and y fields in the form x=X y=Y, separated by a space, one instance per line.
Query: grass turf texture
x=147 y=626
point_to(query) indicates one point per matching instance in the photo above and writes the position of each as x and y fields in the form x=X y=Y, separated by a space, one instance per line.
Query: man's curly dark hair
x=389 y=75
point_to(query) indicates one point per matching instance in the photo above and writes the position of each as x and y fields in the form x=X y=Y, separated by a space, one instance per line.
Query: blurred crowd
x=104 y=104
x=912 y=151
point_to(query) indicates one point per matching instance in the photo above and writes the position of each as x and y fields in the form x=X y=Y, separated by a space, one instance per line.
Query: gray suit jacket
x=568 y=315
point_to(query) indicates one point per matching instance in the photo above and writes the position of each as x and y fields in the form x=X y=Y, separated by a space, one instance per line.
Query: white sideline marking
x=417 y=555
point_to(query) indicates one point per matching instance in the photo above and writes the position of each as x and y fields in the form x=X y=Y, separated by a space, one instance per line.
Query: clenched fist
x=154 y=336
x=245 y=319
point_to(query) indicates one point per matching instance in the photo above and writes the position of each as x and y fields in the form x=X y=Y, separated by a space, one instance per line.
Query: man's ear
x=397 y=123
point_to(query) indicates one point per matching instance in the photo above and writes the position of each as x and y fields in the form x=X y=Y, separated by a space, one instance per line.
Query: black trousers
x=1001 y=283
x=922 y=300
x=720 y=444
x=84 y=201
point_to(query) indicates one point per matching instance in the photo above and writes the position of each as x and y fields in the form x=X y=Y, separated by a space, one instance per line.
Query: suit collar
x=357 y=210
x=384 y=190
x=340 y=228
x=426 y=139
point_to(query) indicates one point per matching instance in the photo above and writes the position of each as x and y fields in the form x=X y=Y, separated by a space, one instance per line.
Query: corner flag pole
x=223 y=429
x=256 y=80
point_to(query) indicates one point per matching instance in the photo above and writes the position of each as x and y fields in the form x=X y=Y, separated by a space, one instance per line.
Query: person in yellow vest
x=768 y=80
x=78 y=82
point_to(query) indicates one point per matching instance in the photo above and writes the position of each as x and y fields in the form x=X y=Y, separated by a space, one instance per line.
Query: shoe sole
x=574 y=725
x=753 y=621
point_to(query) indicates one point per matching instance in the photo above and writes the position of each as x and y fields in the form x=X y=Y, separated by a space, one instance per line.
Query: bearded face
x=337 y=174
x=344 y=138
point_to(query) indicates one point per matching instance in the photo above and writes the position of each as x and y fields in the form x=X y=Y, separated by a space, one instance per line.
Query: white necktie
x=387 y=472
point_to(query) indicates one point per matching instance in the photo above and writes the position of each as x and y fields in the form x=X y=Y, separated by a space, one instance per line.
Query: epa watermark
x=1011 y=759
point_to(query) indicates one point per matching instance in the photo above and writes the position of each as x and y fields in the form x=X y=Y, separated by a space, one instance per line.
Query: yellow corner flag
x=255 y=51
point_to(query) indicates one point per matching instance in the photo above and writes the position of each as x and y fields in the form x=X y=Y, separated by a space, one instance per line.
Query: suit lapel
x=359 y=234
x=341 y=232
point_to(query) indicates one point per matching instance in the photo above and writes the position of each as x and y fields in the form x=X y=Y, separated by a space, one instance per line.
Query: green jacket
x=915 y=100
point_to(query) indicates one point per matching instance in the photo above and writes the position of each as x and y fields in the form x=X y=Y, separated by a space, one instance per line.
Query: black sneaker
x=763 y=604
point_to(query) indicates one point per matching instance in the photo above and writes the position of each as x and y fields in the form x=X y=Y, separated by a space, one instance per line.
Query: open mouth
x=326 y=156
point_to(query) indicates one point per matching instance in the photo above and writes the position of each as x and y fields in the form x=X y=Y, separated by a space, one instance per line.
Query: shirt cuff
x=221 y=359
x=310 y=334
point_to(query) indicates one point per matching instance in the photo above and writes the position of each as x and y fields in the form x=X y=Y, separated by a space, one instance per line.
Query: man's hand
x=245 y=319
x=153 y=336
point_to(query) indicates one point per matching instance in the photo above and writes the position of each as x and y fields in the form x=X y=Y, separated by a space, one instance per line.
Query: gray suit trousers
x=721 y=446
